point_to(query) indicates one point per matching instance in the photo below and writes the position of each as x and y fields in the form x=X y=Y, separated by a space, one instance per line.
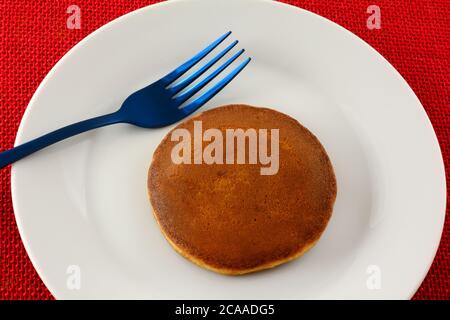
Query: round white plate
x=82 y=207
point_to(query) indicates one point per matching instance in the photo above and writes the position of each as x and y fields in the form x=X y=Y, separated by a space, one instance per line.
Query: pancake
x=230 y=218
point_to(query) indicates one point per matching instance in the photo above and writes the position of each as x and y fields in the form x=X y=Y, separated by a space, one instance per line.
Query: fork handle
x=19 y=152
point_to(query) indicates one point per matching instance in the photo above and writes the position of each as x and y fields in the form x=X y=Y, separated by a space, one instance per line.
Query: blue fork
x=157 y=105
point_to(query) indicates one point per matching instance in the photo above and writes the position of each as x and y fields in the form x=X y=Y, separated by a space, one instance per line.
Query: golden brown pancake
x=228 y=217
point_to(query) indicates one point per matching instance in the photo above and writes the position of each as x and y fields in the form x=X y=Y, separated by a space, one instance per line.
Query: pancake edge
x=230 y=271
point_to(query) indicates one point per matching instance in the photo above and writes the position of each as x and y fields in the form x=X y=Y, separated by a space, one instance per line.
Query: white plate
x=83 y=202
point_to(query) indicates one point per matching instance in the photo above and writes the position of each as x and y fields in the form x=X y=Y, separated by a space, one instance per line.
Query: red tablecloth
x=414 y=37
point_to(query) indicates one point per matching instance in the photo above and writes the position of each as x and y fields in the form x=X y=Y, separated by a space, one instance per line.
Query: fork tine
x=178 y=72
x=194 y=105
x=189 y=93
x=184 y=83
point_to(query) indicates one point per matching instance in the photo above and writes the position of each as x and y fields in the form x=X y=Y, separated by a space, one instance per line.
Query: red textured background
x=414 y=37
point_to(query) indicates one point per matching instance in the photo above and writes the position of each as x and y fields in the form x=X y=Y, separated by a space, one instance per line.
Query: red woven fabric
x=414 y=37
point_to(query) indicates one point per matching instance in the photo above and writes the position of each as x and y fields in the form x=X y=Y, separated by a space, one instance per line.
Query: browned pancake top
x=230 y=216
